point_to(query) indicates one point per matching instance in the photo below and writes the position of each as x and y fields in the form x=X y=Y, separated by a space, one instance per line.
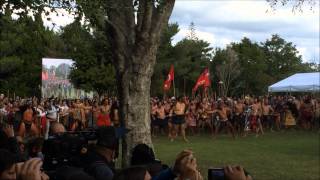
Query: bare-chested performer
x=27 y=125
x=239 y=121
x=223 y=121
x=255 y=123
x=205 y=116
x=153 y=117
x=169 y=111
x=178 y=120
x=267 y=114
x=161 y=120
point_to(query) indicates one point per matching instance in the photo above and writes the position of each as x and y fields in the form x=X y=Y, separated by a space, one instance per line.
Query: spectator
x=143 y=155
x=100 y=159
x=72 y=173
x=35 y=148
x=236 y=173
x=30 y=170
x=7 y=139
x=133 y=173
x=56 y=128
x=7 y=165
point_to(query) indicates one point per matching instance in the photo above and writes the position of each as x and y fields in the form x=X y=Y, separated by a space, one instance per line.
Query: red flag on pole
x=170 y=77
x=44 y=75
x=203 y=80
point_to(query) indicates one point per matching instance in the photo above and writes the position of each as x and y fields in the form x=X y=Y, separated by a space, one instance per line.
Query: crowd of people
x=239 y=116
x=32 y=129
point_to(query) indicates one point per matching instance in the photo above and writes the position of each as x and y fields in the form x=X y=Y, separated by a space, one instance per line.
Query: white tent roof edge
x=300 y=82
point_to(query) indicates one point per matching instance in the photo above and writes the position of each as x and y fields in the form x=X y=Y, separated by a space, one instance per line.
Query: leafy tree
x=282 y=58
x=226 y=67
x=92 y=70
x=252 y=79
x=23 y=43
x=191 y=57
x=165 y=57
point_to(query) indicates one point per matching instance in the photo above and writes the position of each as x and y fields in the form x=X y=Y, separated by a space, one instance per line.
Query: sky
x=223 y=21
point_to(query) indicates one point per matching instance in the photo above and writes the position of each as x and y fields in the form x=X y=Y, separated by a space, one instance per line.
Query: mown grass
x=282 y=155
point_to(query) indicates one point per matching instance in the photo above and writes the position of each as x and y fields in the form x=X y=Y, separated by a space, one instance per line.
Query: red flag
x=170 y=77
x=44 y=75
x=203 y=80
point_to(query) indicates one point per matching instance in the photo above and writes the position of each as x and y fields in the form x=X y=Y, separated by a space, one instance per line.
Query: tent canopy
x=300 y=82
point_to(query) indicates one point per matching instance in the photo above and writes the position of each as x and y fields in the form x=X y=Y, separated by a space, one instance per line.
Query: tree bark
x=135 y=37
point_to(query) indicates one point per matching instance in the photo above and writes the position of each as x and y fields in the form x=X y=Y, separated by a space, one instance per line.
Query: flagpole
x=174 y=88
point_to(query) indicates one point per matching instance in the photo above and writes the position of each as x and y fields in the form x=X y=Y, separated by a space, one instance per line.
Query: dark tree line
x=246 y=67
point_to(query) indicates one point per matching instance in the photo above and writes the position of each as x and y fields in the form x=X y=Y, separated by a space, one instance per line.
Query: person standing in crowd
x=115 y=118
x=223 y=120
x=266 y=114
x=51 y=117
x=192 y=118
x=78 y=116
x=254 y=117
x=169 y=111
x=99 y=159
x=306 y=111
x=317 y=113
x=278 y=110
x=103 y=118
x=154 y=124
x=161 y=118
x=88 y=113
x=178 y=120
x=64 y=113
x=27 y=126
x=239 y=122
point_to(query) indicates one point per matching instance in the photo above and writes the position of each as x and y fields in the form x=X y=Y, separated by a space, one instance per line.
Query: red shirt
x=103 y=120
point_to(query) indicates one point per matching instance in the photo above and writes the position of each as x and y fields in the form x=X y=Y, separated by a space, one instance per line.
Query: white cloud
x=222 y=22
x=230 y=21
x=58 y=19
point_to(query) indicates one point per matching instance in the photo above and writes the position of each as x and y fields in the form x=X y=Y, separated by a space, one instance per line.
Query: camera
x=66 y=149
x=69 y=148
x=218 y=174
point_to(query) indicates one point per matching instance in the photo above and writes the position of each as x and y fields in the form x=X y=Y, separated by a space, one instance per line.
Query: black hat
x=107 y=137
x=142 y=154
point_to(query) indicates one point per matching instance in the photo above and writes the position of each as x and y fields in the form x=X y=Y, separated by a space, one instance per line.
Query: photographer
x=235 y=173
x=185 y=167
x=99 y=159
x=29 y=170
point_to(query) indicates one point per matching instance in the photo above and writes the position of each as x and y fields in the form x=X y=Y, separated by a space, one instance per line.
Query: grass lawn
x=279 y=155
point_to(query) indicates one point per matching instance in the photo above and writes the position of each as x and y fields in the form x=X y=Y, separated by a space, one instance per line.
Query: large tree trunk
x=134 y=91
x=135 y=38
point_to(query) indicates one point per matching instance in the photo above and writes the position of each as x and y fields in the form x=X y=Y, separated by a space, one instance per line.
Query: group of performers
x=169 y=116
x=237 y=116
x=34 y=117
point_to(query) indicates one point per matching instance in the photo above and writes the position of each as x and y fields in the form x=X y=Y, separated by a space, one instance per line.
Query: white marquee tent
x=300 y=82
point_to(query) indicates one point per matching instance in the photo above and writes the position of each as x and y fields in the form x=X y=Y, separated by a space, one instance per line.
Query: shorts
x=218 y=124
x=178 y=119
x=162 y=123
x=27 y=125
